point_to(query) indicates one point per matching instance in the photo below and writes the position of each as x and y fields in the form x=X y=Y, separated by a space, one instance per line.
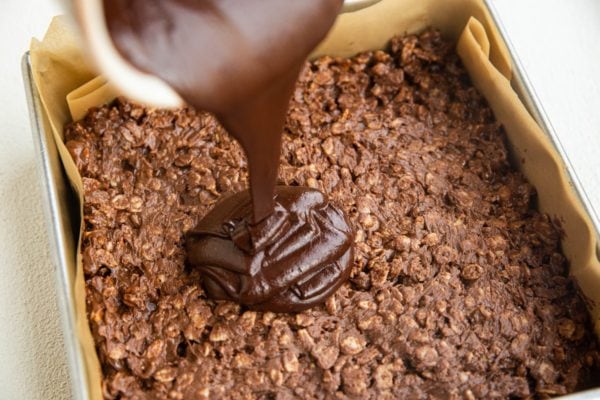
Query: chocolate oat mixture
x=458 y=290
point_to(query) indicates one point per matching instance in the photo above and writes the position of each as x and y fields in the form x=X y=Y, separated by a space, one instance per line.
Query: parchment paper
x=68 y=86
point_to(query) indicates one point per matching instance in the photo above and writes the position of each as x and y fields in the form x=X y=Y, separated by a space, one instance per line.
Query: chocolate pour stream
x=271 y=248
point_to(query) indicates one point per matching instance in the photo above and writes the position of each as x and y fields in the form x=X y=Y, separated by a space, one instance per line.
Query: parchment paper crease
x=68 y=86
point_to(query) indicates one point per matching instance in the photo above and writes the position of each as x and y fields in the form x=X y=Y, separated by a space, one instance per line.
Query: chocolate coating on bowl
x=291 y=261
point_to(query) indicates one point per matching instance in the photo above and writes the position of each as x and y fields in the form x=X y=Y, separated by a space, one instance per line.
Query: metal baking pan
x=63 y=223
x=522 y=85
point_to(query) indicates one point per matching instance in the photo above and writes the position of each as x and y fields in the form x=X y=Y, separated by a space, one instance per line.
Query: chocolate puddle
x=304 y=231
x=279 y=250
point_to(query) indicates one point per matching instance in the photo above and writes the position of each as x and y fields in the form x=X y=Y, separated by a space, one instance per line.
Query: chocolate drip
x=240 y=60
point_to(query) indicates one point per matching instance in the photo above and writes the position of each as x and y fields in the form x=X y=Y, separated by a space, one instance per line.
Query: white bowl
x=129 y=80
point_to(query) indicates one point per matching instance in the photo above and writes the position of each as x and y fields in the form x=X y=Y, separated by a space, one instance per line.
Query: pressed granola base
x=458 y=289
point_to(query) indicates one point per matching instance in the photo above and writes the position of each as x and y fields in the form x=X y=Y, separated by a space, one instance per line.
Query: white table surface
x=558 y=42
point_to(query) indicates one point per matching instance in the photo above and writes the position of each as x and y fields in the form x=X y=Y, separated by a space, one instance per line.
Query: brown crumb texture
x=458 y=290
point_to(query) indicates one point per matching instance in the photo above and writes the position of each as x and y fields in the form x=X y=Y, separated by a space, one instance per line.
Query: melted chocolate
x=250 y=263
x=240 y=60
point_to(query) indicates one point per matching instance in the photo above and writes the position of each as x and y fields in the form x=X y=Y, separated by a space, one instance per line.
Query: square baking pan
x=63 y=221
